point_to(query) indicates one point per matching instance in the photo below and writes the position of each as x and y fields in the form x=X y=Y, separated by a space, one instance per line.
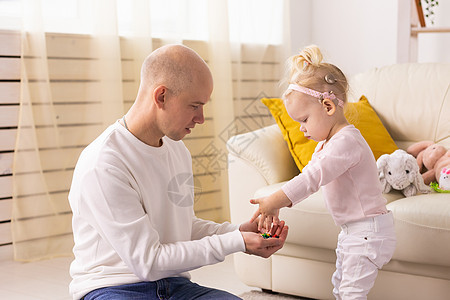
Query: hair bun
x=312 y=55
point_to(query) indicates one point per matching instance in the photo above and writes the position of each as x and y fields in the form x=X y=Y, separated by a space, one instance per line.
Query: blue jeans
x=171 y=288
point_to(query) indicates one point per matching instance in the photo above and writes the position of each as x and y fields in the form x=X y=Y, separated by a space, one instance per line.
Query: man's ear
x=329 y=106
x=159 y=96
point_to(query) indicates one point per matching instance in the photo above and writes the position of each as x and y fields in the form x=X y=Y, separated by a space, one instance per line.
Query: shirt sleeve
x=111 y=205
x=332 y=161
x=202 y=228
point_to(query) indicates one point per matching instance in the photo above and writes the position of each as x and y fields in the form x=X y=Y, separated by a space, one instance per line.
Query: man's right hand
x=257 y=245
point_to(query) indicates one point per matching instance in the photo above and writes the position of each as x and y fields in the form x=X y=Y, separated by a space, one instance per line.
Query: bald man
x=136 y=235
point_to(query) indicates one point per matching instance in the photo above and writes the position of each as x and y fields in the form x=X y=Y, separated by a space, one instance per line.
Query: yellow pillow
x=360 y=114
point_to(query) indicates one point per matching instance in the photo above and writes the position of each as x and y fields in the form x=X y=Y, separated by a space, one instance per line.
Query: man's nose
x=199 y=118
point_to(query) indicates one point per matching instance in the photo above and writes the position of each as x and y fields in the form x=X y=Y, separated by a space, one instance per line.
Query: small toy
x=266 y=235
x=400 y=171
x=431 y=158
x=435 y=186
x=444 y=182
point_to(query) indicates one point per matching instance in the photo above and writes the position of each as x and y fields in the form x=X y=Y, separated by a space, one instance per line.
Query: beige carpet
x=257 y=295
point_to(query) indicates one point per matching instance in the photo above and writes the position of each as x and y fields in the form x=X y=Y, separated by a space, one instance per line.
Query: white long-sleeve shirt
x=346 y=169
x=133 y=216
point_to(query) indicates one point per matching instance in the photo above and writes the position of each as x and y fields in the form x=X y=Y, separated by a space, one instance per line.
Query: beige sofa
x=413 y=102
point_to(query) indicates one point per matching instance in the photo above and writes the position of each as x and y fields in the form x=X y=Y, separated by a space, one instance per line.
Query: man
x=134 y=228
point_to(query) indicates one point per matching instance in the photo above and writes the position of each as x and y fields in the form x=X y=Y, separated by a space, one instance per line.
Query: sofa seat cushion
x=422 y=225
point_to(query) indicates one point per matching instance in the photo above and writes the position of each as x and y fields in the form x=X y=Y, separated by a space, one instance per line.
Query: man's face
x=185 y=110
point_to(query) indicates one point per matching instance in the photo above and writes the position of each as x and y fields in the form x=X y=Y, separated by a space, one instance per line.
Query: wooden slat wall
x=75 y=102
x=9 y=103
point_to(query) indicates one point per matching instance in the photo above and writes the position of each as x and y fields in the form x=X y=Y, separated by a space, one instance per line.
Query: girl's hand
x=253 y=227
x=267 y=211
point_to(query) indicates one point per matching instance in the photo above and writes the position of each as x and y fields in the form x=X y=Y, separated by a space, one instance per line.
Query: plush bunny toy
x=444 y=180
x=431 y=158
x=400 y=171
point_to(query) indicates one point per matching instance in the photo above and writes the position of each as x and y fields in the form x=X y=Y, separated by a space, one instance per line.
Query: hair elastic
x=330 y=79
x=316 y=94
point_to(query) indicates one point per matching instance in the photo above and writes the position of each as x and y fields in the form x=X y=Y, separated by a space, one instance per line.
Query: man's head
x=175 y=85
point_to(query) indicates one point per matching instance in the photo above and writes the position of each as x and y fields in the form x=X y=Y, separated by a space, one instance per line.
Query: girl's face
x=314 y=121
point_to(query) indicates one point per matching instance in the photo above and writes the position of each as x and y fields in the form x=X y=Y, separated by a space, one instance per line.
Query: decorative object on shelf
x=426 y=11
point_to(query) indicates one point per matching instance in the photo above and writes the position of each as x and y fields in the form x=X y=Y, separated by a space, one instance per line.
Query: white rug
x=257 y=295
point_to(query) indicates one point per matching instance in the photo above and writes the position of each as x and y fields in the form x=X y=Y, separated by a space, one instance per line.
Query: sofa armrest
x=256 y=159
x=266 y=150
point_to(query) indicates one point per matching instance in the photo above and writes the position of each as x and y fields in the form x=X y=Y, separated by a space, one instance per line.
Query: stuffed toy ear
x=411 y=165
x=418 y=147
x=417 y=180
x=381 y=166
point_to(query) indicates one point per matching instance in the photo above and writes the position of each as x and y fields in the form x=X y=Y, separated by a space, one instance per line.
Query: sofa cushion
x=359 y=114
x=422 y=225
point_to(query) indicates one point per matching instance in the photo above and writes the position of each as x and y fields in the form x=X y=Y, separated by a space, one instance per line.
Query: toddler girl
x=344 y=166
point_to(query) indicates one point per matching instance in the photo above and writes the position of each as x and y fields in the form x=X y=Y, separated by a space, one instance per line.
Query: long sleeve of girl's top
x=346 y=170
x=325 y=166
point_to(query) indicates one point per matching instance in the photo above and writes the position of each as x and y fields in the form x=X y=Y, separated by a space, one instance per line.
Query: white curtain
x=71 y=91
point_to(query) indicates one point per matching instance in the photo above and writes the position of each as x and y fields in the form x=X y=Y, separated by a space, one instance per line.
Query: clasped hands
x=264 y=220
x=269 y=209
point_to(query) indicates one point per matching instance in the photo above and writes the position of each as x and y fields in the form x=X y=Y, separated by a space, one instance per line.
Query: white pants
x=363 y=248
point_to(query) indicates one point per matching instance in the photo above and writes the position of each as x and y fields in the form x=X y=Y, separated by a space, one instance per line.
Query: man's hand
x=250 y=226
x=257 y=245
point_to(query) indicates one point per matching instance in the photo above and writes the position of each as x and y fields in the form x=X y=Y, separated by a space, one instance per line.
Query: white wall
x=435 y=47
x=300 y=24
x=359 y=35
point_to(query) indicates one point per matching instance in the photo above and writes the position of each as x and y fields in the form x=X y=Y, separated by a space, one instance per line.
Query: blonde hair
x=307 y=69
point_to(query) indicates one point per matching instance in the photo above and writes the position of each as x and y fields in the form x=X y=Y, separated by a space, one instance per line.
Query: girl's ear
x=329 y=106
